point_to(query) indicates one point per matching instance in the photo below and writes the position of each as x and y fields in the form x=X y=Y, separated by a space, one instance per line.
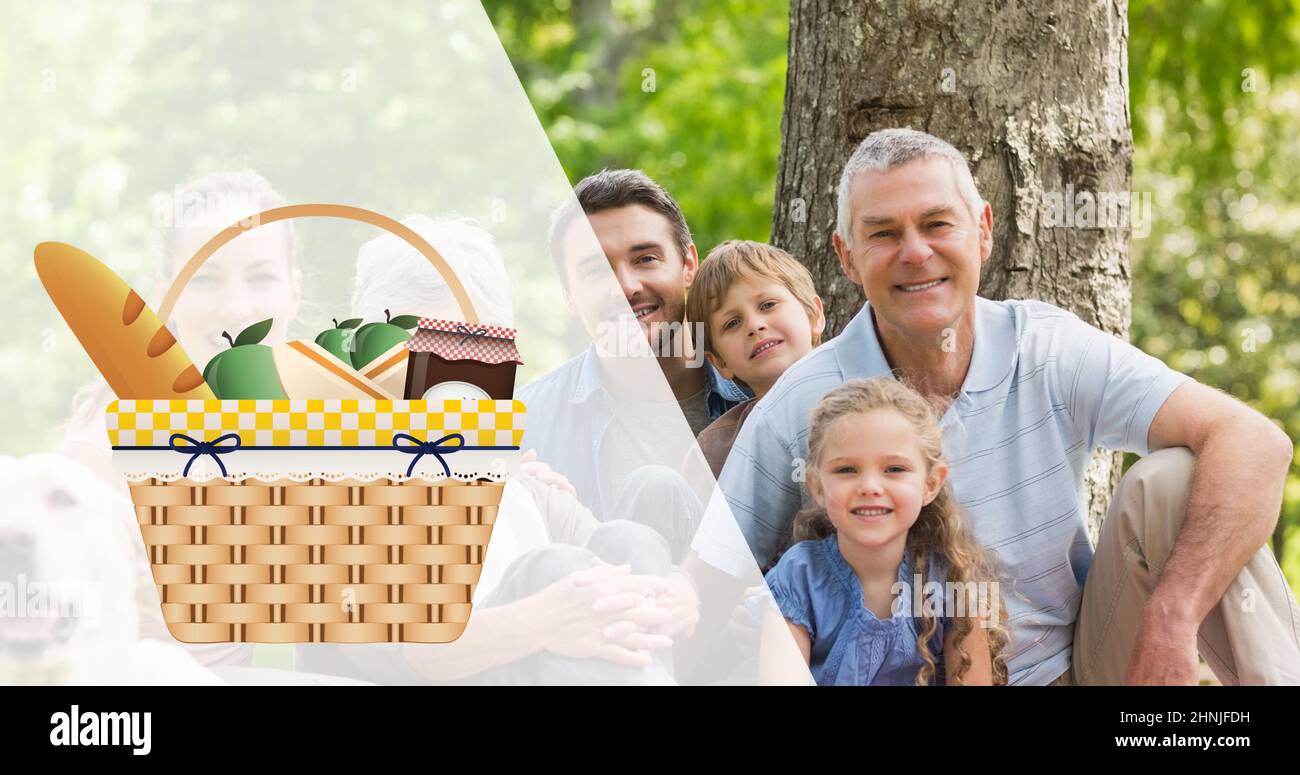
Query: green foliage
x=690 y=92
x=1216 y=285
x=1208 y=53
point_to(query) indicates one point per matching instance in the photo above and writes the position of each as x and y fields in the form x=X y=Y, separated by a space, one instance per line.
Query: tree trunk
x=1036 y=96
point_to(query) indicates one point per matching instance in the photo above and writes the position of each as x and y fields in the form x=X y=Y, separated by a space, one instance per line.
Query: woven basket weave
x=341 y=562
x=289 y=561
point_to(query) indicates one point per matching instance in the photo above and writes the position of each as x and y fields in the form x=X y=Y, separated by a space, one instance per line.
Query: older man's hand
x=1164 y=654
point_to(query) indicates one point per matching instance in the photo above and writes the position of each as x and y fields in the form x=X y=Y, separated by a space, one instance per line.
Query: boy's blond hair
x=738 y=259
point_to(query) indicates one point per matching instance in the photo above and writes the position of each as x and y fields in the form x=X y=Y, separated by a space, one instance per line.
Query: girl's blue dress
x=816 y=587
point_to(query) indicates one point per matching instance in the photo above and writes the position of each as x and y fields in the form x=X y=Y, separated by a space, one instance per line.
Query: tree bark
x=1034 y=93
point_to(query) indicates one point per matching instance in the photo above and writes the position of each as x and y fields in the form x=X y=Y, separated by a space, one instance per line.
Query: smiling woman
x=253 y=278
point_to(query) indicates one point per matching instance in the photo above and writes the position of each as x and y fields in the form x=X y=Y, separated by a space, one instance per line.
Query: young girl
x=853 y=590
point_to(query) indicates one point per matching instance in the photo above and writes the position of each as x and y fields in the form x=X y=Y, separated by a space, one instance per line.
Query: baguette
x=133 y=350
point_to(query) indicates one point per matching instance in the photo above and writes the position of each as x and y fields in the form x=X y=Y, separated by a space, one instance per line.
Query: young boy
x=760 y=314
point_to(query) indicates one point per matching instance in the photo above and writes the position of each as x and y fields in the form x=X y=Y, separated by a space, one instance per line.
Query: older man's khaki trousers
x=1251 y=637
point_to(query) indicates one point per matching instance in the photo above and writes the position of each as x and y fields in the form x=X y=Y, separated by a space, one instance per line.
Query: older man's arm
x=1241 y=466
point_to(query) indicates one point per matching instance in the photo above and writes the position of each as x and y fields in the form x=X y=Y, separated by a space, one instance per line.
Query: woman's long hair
x=940 y=530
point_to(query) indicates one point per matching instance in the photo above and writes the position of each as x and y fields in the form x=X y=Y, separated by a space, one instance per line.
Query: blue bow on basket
x=197 y=449
x=421 y=448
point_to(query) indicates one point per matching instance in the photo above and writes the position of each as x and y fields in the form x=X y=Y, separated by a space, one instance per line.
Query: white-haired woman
x=392 y=275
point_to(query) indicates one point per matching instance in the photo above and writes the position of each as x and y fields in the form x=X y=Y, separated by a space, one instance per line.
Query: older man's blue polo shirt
x=1043 y=389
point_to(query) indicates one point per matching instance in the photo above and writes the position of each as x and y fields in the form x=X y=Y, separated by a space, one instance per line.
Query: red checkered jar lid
x=456 y=340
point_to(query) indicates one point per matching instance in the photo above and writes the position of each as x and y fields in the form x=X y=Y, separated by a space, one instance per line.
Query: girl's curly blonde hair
x=940 y=529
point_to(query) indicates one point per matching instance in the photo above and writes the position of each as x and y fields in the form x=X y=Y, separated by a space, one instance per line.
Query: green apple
x=375 y=339
x=338 y=340
x=247 y=369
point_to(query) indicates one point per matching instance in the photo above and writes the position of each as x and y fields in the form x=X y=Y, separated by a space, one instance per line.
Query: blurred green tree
x=1215 y=97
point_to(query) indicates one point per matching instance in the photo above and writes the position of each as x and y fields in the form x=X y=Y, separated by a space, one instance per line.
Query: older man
x=1027 y=390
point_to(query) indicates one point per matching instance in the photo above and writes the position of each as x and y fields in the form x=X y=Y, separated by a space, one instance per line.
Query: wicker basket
x=340 y=562
x=320 y=559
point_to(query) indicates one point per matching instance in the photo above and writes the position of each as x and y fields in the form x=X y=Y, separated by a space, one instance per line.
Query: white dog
x=70 y=566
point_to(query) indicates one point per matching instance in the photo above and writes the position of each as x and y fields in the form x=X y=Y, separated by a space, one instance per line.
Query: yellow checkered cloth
x=315 y=423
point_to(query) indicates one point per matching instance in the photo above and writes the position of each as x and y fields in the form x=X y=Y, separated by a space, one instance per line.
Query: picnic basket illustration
x=341 y=520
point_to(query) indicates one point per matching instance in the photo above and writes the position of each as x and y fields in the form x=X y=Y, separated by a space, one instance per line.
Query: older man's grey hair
x=393 y=275
x=890 y=148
